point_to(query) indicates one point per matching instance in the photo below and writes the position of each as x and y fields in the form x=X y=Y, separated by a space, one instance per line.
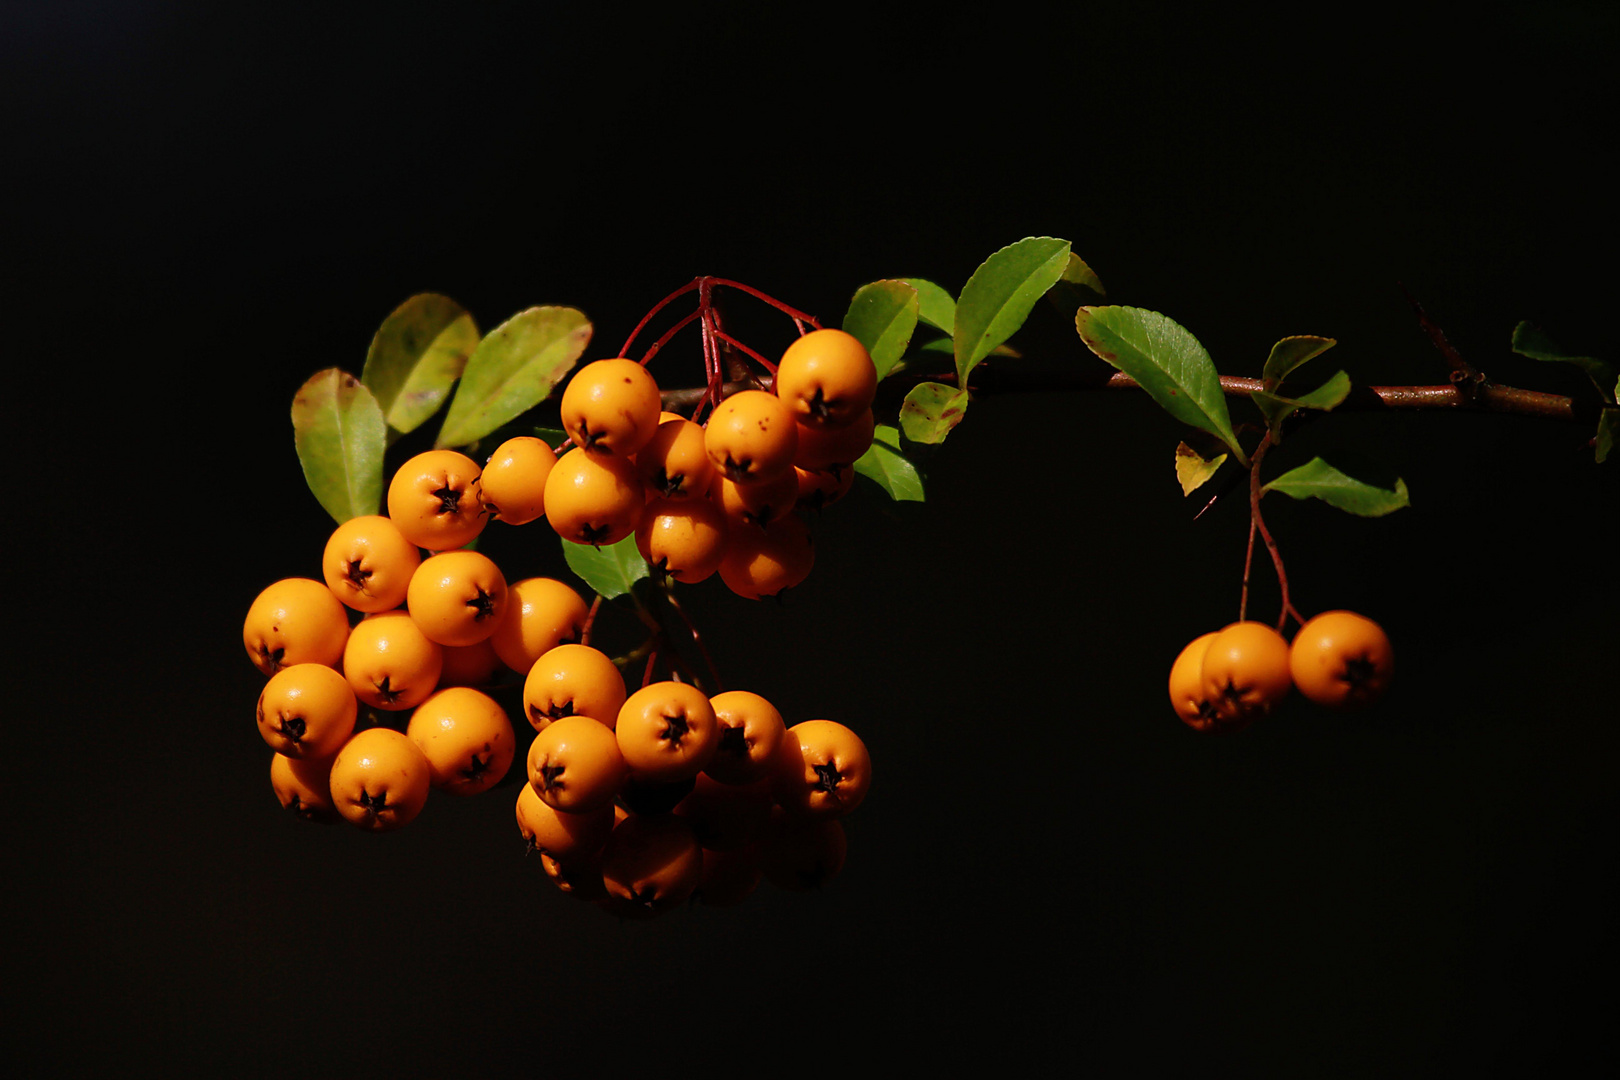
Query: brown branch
x=1486 y=396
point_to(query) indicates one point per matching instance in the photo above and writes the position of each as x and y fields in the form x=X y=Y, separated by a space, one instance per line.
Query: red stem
x=723 y=336
x=664 y=340
x=590 y=620
x=656 y=308
x=1256 y=522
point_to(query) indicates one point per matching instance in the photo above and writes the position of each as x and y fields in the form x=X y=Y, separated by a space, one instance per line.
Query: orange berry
x=751 y=437
x=457 y=597
x=368 y=563
x=1245 y=671
x=652 y=863
x=675 y=463
x=594 y=498
x=684 y=538
x=573 y=680
x=469 y=665
x=434 y=499
x=763 y=562
x=756 y=504
x=304 y=787
x=667 y=732
x=390 y=663
x=465 y=737
x=295 y=621
x=1187 y=695
x=835 y=449
x=1341 y=660
x=568 y=838
x=513 y=483
x=306 y=711
x=380 y=780
x=575 y=765
x=751 y=730
x=822 y=770
x=818 y=489
x=611 y=407
x=541 y=613
x=827 y=378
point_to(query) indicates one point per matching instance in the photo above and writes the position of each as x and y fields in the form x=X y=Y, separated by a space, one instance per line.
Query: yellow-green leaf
x=1192 y=469
x=998 y=297
x=340 y=436
x=416 y=356
x=514 y=368
x=882 y=316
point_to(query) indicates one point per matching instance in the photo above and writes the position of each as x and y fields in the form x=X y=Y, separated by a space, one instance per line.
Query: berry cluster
x=680 y=794
x=1225 y=680
x=637 y=799
x=700 y=498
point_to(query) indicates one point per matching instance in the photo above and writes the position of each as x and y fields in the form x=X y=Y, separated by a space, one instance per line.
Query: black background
x=206 y=204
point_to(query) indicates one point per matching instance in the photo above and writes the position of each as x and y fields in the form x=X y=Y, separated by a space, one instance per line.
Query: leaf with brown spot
x=1193 y=470
x=931 y=410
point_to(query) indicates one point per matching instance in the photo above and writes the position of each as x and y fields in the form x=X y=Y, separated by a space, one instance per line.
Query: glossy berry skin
x=826 y=378
x=465 y=737
x=594 y=498
x=457 y=597
x=1245 y=672
x=667 y=732
x=575 y=765
x=380 y=780
x=513 y=484
x=684 y=538
x=611 y=407
x=306 y=711
x=822 y=770
x=762 y=562
x=541 y=613
x=751 y=731
x=751 y=437
x=675 y=463
x=573 y=680
x=1341 y=659
x=368 y=563
x=295 y=621
x=1187 y=695
x=390 y=663
x=435 y=500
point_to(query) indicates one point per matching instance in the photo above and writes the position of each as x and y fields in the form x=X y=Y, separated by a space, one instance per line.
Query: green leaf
x=931 y=410
x=339 y=431
x=934 y=305
x=612 y=571
x=1324 y=398
x=1192 y=469
x=998 y=297
x=1316 y=479
x=1531 y=341
x=884 y=464
x=513 y=369
x=882 y=316
x=1166 y=360
x=1078 y=284
x=1290 y=353
x=1608 y=430
x=416 y=356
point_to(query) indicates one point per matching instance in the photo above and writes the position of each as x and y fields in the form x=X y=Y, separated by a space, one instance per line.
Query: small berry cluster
x=680 y=795
x=1225 y=680
x=699 y=498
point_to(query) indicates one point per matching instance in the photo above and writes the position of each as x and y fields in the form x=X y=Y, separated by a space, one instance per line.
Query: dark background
x=204 y=205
